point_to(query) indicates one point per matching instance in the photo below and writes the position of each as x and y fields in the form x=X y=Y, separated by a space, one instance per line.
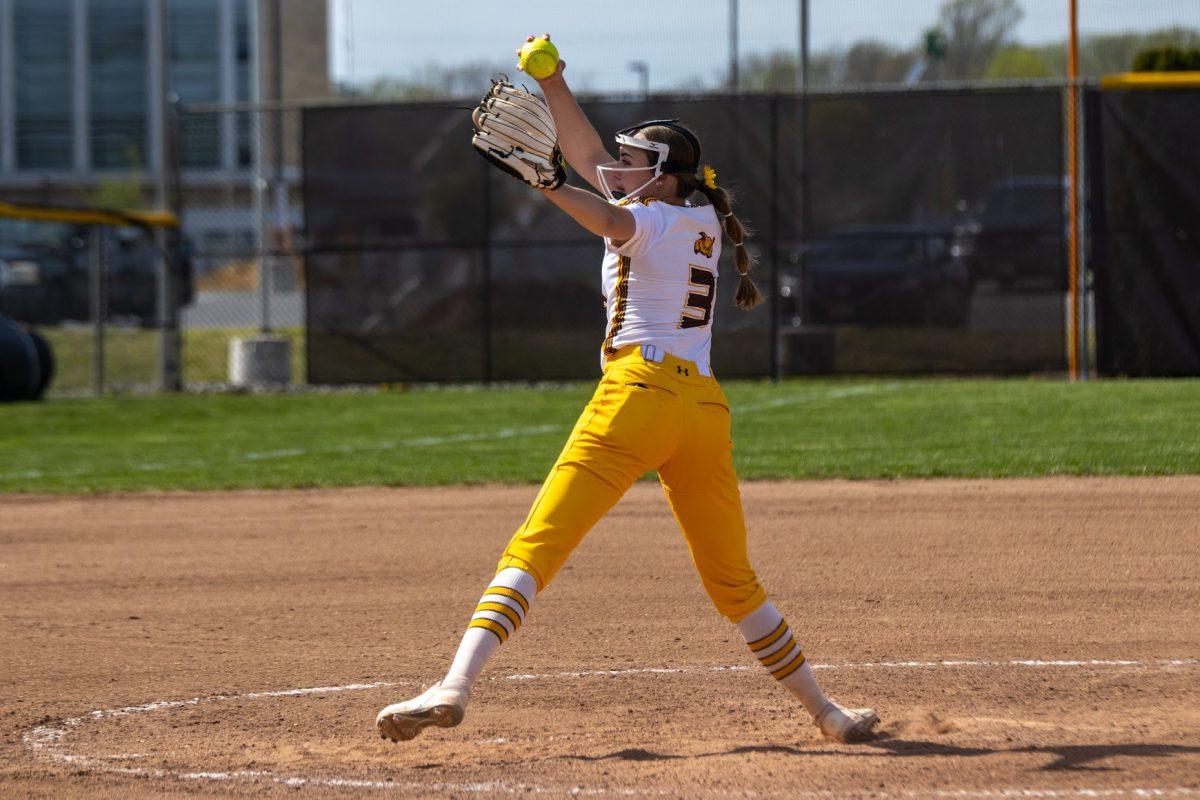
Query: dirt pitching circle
x=49 y=742
x=912 y=596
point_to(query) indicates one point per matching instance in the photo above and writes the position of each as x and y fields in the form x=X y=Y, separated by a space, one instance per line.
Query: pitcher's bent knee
x=507 y=561
x=736 y=601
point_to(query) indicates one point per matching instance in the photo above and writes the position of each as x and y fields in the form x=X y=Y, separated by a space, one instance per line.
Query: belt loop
x=650 y=353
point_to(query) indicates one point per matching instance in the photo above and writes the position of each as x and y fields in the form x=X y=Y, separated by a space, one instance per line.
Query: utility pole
x=802 y=75
x=734 y=82
x=1073 y=249
x=643 y=72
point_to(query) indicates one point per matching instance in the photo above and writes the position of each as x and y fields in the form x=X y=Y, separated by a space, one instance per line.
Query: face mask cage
x=660 y=162
x=658 y=152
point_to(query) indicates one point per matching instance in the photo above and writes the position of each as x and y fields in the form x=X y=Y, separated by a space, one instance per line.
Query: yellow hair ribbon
x=710 y=177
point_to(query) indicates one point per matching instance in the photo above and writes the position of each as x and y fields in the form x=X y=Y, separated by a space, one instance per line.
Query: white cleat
x=847 y=725
x=438 y=705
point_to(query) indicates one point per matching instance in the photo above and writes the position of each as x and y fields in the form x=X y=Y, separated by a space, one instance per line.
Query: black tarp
x=931 y=240
x=1144 y=200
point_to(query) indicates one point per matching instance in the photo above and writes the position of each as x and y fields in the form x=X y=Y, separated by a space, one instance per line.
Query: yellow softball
x=539 y=57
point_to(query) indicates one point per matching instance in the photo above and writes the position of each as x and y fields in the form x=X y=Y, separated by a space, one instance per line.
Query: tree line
x=971 y=40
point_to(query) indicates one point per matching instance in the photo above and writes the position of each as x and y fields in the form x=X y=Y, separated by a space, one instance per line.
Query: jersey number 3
x=698 y=311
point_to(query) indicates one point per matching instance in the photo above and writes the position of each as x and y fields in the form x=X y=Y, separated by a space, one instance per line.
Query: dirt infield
x=1033 y=638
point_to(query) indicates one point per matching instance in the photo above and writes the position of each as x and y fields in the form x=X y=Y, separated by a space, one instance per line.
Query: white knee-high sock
x=771 y=641
x=499 y=615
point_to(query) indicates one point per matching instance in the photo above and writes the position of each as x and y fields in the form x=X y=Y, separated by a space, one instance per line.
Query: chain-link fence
x=917 y=231
x=92 y=290
x=241 y=208
x=912 y=232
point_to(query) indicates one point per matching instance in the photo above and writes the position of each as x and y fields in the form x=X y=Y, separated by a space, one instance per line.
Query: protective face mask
x=659 y=151
x=612 y=194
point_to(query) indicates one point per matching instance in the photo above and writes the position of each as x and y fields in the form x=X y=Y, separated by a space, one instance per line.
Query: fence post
x=774 y=237
x=486 y=288
x=98 y=305
x=170 y=342
x=1072 y=134
x=1096 y=216
x=1081 y=236
x=802 y=194
x=280 y=200
x=167 y=312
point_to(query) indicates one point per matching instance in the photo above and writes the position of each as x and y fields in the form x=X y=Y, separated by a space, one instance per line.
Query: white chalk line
x=946 y=663
x=291 y=452
x=48 y=741
x=817 y=396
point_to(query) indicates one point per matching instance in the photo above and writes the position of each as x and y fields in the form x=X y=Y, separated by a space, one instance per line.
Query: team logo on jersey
x=704 y=244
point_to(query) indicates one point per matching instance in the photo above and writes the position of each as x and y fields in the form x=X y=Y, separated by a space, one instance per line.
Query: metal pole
x=1073 y=198
x=486 y=284
x=804 y=36
x=802 y=178
x=258 y=181
x=96 y=279
x=168 y=317
x=278 y=186
x=734 y=82
x=1081 y=293
x=773 y=161
x=175 y=128
x=643 y=71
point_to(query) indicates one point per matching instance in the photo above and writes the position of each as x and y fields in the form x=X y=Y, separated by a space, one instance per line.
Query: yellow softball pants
x=644 y=416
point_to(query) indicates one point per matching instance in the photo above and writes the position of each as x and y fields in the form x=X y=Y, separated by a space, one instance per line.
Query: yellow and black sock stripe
x=511 y=594
x=778 y=652
x=501 y=610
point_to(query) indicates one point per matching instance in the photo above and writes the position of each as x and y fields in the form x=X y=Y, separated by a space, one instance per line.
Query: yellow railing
x=90 y=216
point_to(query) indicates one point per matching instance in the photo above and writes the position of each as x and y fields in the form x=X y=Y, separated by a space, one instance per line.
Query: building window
x=117 y=57
x=42 y=38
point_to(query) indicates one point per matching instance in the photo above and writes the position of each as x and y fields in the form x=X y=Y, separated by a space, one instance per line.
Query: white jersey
x=660 y=285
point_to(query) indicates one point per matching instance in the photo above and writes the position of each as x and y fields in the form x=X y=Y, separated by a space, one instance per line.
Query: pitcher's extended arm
x=580 y=143
x=592 y=212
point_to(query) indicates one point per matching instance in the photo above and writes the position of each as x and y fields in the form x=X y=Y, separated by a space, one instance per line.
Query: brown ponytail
x=682 y=151
x=748 y=295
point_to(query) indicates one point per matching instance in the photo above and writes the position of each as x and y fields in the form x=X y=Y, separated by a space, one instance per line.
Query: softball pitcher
x=657 y=407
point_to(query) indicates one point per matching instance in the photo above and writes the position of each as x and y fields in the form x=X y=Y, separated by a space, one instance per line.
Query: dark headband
x=669 y=165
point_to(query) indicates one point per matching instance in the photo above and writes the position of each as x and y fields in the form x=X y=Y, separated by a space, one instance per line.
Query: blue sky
x=680 y=39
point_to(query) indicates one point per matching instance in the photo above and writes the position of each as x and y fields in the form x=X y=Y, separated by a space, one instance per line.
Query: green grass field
x=797 y=429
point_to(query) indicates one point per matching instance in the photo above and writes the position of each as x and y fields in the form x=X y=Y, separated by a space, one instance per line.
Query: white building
x=77 y=107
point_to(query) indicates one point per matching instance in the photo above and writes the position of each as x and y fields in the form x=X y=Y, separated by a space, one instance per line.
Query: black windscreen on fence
x=928 y=238
x=933 y=238
x=1145 y=199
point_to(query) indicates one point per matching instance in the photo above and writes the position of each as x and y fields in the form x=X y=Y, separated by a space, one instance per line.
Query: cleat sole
x=404 y=727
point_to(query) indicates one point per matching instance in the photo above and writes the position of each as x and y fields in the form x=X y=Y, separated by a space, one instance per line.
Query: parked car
x=1017 y=237
x=45 y=275
x=903 y=274
x=43 y=271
